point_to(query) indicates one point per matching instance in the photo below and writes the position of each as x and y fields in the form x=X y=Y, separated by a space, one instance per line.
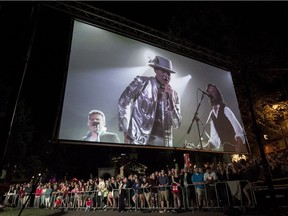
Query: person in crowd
x=55 y=193
x=73 y=194
x=176 y=190
x=105 y=193
x=88 y=204
x=58 y=202
x=43 y=195
x=221 y=184
x=198 y=182
x=16 y=197
x=28 y=192
x=48 y=196
x=97 y=129
x=77 y=196
x=253 y=175
x=89 y=189
x=130 y=192
x=226 y=133
x=153 y=179
x=233 y=177
x=95 y=193
x=37 y=196
x=123 y=185
x=232 y=172
x=21 y=194
x=186 y=184
x=115 y=191
x=146 y=191
x=112 y=192
x=11 y=195
x=138 y=196
x=100 y=193
x=170 y=172
x=64 y=191
x=163 y=188
x=210 y=178
x=149 y=108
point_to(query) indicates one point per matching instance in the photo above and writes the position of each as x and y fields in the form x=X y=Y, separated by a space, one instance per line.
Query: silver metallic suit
x=146 y=115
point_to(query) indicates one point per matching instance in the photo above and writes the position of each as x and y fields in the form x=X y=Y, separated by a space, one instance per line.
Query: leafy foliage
x=259 y=50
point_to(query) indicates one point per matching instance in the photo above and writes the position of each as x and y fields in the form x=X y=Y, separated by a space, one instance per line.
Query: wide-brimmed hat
x=161 y=63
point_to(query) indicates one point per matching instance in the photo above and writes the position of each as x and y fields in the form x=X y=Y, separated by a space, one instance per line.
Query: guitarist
x=226 y=133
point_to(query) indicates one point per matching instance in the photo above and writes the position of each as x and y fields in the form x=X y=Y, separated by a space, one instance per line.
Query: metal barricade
x=262 y=196
x=217 y=195
x=222 y=193
x=11 y=200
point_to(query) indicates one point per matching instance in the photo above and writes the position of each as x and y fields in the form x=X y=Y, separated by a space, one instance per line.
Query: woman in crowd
x=176 y=190
x=138 y=193
x=146 y=191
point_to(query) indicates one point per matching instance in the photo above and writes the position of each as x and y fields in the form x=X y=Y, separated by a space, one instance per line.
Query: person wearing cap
x=149 y=108
x=97 y=130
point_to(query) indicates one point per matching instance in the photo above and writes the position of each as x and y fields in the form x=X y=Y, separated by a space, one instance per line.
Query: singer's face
x=163 y=76
x=212 y=91
x=96 y=118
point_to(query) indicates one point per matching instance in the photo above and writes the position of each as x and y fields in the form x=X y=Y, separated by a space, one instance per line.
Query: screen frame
x=131 y=36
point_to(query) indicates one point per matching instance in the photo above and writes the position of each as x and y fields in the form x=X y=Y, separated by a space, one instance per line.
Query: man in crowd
x=198 y=182
x=163 y=188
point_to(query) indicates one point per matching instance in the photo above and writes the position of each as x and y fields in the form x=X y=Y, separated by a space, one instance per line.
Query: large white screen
x=102 y=64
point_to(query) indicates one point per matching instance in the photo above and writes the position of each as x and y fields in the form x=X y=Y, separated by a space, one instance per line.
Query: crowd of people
x=209 y=185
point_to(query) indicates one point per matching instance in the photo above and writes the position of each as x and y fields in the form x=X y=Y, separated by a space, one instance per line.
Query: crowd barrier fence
x=216 y=195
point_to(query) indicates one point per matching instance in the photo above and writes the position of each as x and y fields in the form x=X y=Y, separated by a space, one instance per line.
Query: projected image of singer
x=149 y=108
x=97 y=130
x=226 y=133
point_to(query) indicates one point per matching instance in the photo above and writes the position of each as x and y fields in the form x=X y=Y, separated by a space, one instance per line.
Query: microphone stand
x=195 y=118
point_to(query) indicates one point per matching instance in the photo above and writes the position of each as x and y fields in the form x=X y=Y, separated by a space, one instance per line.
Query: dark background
x=34 y=55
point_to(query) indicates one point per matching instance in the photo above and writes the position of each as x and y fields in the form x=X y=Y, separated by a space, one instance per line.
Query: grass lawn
x=29 y=212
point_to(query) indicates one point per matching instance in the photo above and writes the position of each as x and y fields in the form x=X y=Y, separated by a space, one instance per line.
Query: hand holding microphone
x=168 y=95
x=168 y=91
x=96 y=125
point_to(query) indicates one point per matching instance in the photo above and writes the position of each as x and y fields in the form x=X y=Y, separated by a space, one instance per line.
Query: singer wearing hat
x=149 y=108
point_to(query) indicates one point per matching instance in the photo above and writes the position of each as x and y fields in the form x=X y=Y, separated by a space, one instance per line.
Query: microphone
x=165 y=94
x=205 y=93
x=95 y=123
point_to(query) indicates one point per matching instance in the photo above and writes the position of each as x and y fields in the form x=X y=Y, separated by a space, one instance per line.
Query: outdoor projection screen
x=102 y=64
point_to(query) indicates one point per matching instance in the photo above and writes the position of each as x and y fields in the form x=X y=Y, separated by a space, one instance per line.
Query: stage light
x=148 y=55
